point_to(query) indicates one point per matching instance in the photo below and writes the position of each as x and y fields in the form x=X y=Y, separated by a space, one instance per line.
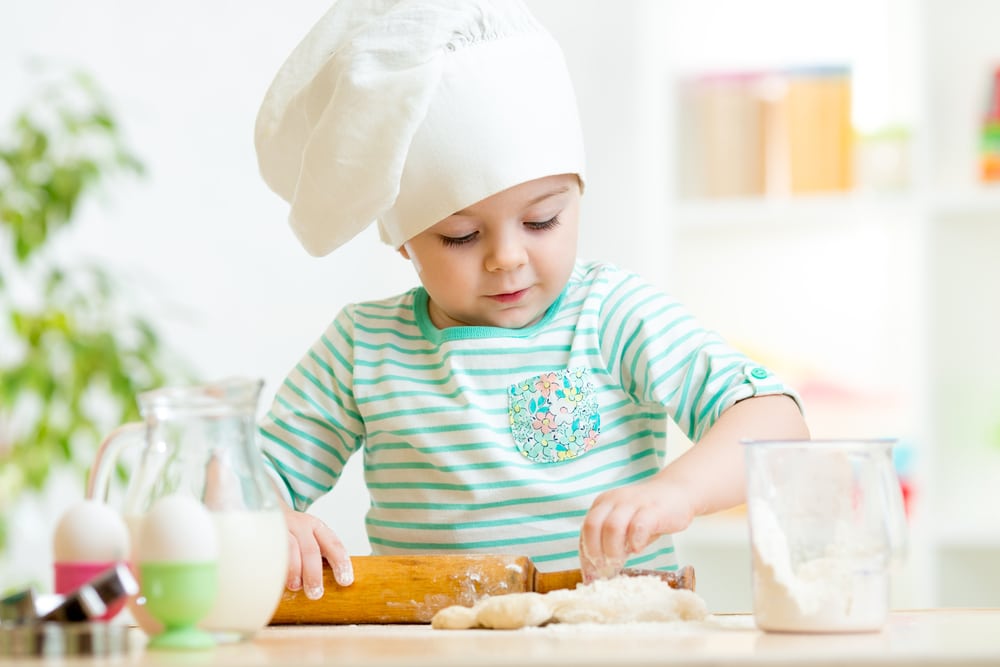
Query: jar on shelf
x=989 y=140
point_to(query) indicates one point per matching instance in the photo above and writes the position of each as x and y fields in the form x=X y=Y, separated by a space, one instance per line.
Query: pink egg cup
x=70 y=576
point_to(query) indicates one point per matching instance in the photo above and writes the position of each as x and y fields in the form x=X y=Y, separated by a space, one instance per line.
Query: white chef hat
x=406 y=111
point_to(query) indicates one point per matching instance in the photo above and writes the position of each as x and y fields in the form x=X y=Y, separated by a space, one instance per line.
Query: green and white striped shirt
x=498 y=440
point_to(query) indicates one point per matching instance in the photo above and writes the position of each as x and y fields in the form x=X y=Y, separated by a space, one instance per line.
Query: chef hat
x=406 y=111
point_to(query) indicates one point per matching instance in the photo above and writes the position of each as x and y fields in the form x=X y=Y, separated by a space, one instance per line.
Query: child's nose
x=506 y=253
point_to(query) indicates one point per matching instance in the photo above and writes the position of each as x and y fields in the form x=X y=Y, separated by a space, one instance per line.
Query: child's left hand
x=626 y=520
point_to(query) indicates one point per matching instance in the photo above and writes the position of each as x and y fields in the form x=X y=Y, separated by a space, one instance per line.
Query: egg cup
x=179 y=595
x=69 y=576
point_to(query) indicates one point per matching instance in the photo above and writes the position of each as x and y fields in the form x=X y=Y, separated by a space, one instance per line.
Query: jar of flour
x=826 y=530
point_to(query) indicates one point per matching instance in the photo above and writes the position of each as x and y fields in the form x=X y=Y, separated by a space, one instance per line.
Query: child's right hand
x=309 y=542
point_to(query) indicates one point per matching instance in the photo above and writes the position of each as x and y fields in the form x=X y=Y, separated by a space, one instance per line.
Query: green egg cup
x=179 y=595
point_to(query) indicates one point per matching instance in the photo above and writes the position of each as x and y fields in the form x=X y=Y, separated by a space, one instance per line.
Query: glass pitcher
x=827 y=529
x=201 y=440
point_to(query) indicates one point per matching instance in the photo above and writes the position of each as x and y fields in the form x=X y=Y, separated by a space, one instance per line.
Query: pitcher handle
x=99 y=476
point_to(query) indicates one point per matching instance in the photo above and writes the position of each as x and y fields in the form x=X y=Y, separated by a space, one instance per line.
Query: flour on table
x=618 y=600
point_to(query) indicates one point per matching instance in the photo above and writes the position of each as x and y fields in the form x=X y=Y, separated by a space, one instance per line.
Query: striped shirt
x=498 y=440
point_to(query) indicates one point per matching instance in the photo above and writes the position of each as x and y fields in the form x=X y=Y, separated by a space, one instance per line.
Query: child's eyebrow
x=552 y=193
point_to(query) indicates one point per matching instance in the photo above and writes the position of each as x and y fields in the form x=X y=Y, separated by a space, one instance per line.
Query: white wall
x=203 y=243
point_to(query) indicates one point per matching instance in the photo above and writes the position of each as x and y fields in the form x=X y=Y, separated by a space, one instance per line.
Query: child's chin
x=518 y=321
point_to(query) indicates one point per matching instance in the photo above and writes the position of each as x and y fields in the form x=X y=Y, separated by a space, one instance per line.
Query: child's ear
x=406 y=253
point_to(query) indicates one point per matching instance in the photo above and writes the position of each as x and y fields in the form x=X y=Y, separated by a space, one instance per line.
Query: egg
x=90 y=532
x=177 y=529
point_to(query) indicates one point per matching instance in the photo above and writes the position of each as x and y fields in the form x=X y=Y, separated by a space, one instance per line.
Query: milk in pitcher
x=253 y=562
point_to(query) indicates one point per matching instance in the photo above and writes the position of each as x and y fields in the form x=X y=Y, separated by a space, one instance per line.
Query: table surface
x=924 y=638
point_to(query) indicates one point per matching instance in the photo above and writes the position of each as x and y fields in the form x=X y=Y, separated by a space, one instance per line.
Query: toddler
x=516 y=401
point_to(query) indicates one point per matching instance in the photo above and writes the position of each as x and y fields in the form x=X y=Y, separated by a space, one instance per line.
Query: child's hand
x=310 y=541
x=708 y=477
x=626 y=520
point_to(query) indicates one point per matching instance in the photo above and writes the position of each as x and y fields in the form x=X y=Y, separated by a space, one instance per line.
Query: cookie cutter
x=60 y=625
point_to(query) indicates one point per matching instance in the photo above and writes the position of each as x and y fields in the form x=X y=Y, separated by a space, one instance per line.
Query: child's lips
x=509 y=297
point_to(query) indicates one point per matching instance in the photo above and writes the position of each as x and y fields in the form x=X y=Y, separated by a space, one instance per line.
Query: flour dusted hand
x=618 y=600
x=309 y=542
x=624 y=521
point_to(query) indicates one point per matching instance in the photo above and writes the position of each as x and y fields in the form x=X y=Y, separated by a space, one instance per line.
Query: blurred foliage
x=73 y=355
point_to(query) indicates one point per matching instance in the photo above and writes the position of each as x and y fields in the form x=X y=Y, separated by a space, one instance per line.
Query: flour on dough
x=617 y=600
x=627 y=600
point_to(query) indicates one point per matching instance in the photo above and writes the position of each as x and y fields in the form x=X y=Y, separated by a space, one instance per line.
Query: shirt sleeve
x=663 y=356
x=313 y=425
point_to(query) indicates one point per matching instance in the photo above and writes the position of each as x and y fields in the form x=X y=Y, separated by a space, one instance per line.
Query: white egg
x=90 y=532
x=177 y=529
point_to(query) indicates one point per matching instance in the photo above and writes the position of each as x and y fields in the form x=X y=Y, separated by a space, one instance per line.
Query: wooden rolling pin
x=411 y=589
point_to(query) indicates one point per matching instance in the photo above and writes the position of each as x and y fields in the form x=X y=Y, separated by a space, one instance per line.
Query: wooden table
x=924 y=638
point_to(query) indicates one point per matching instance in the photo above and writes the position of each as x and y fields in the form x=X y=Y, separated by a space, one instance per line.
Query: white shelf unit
x=893 y=295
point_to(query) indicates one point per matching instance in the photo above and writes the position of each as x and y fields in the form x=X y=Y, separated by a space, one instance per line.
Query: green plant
x=73 y=355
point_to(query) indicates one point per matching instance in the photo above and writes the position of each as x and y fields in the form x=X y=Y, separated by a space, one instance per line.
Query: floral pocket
x=554 y=416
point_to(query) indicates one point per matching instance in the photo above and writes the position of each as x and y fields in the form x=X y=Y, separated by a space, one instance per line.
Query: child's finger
x=591 y=551
x=336 y=554
x=293 y=581
x=641 y=531
x=312 y=566
x=614 y=534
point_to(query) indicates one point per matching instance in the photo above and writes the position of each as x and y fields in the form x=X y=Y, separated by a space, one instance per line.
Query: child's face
x=502 y=261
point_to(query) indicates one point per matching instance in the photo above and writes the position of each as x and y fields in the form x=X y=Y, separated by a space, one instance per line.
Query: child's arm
x=709 y=477
x=307 y=436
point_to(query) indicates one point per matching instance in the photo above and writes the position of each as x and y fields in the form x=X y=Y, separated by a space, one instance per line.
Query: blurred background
x=818 y=180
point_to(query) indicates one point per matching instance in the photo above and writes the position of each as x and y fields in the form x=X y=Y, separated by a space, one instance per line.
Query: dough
x=517 y=610
x=618 y=600
x=455 y=617
x=627 y=600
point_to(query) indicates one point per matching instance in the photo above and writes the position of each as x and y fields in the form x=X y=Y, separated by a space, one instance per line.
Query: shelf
x=815 y=210
x=880 y=289
x=968 y=538
x=979 y=200
x=820 y=211
x=732 y=532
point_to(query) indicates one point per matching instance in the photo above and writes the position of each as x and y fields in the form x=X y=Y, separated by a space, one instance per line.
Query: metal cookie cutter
x=55 y=625
x=53 y=639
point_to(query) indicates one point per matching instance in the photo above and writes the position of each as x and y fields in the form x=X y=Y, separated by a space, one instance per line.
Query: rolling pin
x=411 y=589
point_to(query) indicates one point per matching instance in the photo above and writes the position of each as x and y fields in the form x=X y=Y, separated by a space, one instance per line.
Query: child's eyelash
x=454 y=241
x=542 y=226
